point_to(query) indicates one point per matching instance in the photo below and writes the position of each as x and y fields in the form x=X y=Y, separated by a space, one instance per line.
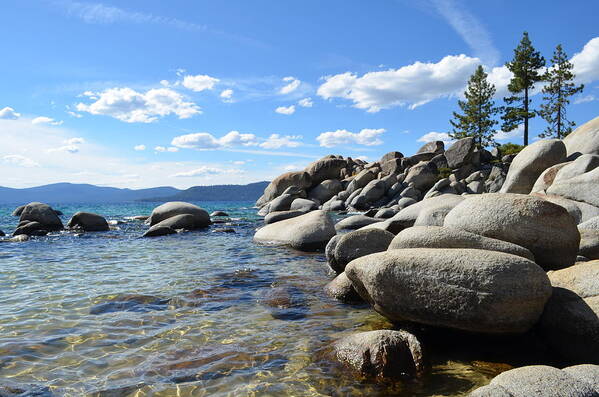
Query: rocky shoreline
x=463 y=239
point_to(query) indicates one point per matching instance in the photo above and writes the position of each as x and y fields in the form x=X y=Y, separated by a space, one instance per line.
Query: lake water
x=112 y=314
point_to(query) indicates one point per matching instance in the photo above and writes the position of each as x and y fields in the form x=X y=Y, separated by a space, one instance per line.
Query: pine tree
x=478 y=110
x=560 y=87
x=525 y=67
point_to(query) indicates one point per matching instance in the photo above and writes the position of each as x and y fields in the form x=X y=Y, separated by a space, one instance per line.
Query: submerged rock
x=286 y=303
x=159 y=230
x=383 y=354
x=219 y=213
x=130 y=303
x=308 y=232
x=467 y=289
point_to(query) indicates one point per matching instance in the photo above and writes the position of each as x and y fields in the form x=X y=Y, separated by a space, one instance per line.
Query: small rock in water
x=219 y=213
x=286 y=303
x=2 y=233
x=14 y=390
x=383 y=354
x=224 y=230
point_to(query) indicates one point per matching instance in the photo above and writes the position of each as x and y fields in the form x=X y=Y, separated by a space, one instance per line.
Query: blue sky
x=145 y=93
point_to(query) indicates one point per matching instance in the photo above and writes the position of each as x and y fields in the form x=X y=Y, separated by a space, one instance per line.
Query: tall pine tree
x=525 y=67
x=560 y=87
x=476 y=119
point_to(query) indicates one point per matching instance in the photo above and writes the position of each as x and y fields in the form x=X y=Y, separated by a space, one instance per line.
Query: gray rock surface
x=584 y=187
x=587 y=373
x=589 y=243
x=467 y=289
x=570 y=322
x=359 y=243
x=424 y=175
x=300 y=179
x=308 y=232
x=544 y=228
x=42 y=213
x=592 y=224
x=89 y=222
x=170 y=209
x=355 y=222
x=584 y=139
x=528 y=165
x=383 y=354
x=341 y=289
x=325 y=190
x=282 y=215
x=460 y=153
x=300 y=204
x=547 y=177
x=326 y=168
x=446 y=237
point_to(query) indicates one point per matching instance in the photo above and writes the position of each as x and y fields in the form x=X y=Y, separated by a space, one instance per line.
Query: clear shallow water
x=111 y=314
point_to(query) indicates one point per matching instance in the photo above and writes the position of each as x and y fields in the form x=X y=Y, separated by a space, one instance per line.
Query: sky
x=145 y=93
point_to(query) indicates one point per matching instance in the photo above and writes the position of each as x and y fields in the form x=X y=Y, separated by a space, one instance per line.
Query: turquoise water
x=112 y=314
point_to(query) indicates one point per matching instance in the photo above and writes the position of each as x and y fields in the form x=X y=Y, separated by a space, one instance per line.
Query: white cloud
x=207 y=141
x=306 y=103
x=71 y=145
x=165 y=83
x=200 y=82
x=584 y=99
x=366 y=137
x=517 y=132
x=21 y=161
x=292 y=85
x=139 y=148
x=205 y=170
x=227 y=95
x=412 y=85
x=130 y=106
x=293 y=167
x=73 y=114
x=9 y=113
x=470 y=29
x=436 y=136
x=239 y=162
x=363 y=158
x=75 y=141
x=276 y=141
x=163 y=149
x=500 y=77
x=45 y=120
x=586 y=62
x=287 y=110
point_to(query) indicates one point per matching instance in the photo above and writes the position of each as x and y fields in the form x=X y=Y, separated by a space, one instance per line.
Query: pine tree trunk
x=526 y=116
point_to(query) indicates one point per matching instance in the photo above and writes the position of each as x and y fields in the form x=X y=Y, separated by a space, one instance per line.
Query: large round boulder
x=42 y=213
x=358 y=243
x=88 y=222
x=570 y=322
x=301 y=204
x=308 y=232
x=424 y=175
x=383 y=354
x=466 y=289
x=326 y=168
x=528 y=165
x=584 y=139
x=300 y=179
x=173 y=208
x=544 y=228
x=355 y=222
x=448 y=237
x=325 y=190
x=460 y=153
x=537 y=381
x=282 y=215
x=592 y=224
x=584 y=187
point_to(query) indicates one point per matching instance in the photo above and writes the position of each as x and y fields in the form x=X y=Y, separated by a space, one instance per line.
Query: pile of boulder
x=463 y=239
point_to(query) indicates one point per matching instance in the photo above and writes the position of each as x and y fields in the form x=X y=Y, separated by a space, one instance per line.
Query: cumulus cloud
x=292 y=85
x=9 y=113
x=163 y=149
x=21 y=161
x=436 y=136
x=286 y=110
x=227 y=95
x=584 y=99
x=139 y=148
x=45 y=120
x=130 y=106
x=70 y=146
x=200 y=82
x=412 y=85
x=366 y=137
x=586 y=62
x=276 y=141
x=205 y=170
x=517 y=132
x=207 y=141
x=306 y=103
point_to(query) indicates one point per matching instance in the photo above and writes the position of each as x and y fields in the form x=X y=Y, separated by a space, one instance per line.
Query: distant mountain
x=84 y=193
x=251 y=192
